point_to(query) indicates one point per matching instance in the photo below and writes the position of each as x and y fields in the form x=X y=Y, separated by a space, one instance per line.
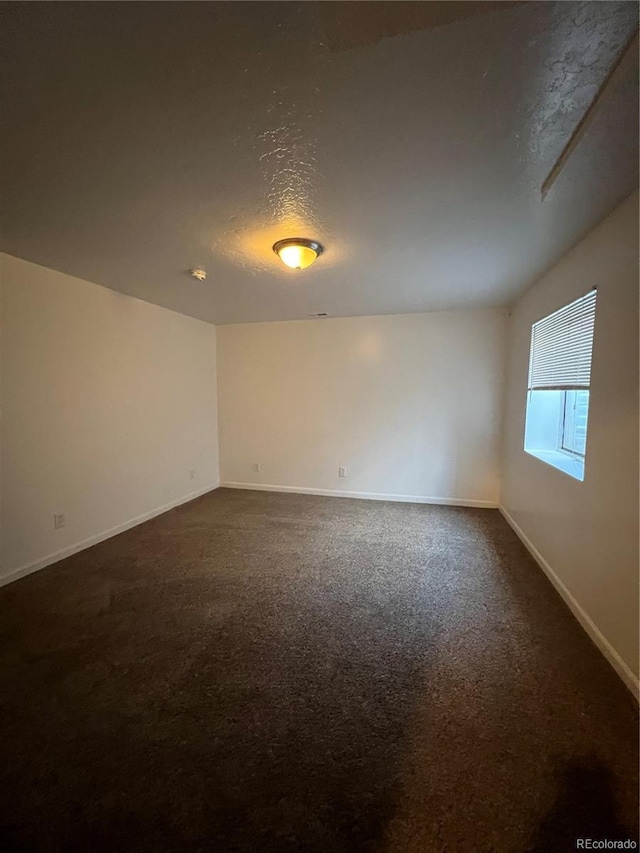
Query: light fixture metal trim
x=299 y=243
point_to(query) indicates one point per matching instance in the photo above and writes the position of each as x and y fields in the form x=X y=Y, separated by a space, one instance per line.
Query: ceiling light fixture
x=198 y=273
x=297 y=252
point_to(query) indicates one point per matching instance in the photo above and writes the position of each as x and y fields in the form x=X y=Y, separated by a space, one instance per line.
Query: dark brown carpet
x=270 y=672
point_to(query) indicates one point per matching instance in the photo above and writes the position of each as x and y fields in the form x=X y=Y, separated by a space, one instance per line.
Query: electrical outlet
x=257 y=467
x=342 y=471
x=58 y=520
x=192 y=474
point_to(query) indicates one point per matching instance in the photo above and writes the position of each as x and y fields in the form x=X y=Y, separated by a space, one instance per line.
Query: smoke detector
x=198 y=273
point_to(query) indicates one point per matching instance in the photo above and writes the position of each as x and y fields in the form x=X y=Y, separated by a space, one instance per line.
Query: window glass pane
x=551 y=436
x=544 y=420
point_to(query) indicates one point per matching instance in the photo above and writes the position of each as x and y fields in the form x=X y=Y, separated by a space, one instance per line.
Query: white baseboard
x=368 y=496
x=43 y=562
x=596 y=635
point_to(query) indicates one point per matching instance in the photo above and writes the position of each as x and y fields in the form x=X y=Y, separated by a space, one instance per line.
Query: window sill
x=565 y=462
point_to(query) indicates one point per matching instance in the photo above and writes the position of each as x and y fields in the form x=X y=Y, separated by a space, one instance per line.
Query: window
x=558 y=389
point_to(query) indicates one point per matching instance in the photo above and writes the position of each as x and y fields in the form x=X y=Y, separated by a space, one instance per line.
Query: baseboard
x=367 y=496
x=43 y=562
x=596 y=635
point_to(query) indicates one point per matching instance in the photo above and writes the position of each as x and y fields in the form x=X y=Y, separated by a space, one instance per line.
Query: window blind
x=561 y=347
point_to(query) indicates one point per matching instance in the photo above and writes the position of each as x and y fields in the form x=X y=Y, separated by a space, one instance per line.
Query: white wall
x=410 y=404
x=587 y=532
x=108 y=403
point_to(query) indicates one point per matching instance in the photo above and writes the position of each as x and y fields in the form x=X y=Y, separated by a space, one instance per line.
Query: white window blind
x=561 y=347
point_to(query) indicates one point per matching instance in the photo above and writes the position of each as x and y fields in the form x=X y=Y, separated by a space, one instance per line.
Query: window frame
x=562 y=445
x=565 y=452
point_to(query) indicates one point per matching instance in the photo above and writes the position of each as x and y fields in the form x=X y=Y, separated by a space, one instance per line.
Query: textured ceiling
x=142 y=139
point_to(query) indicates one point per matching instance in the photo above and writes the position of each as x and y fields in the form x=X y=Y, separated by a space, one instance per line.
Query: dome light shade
x=297 y=252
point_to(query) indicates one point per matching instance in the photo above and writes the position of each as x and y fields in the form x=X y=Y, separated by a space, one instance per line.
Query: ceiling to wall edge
x=505 y=306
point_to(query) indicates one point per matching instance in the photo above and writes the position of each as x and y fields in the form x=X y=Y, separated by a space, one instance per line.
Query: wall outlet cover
x=58 y=520
x=342 y=471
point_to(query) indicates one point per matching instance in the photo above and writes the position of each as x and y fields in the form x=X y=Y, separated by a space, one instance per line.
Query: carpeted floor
x=271 y=672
